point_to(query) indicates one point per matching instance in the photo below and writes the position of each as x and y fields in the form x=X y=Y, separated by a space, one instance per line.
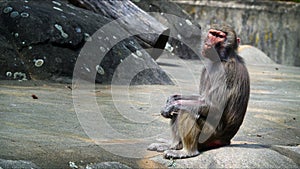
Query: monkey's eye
x=218 y=34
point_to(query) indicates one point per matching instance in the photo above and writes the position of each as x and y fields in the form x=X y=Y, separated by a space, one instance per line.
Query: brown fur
x=224 y=94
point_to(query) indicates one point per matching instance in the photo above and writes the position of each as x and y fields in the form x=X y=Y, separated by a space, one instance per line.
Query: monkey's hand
x=169 y=109
x=191 y=106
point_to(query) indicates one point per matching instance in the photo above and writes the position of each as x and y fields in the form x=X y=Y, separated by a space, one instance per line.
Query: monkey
x=211 y=118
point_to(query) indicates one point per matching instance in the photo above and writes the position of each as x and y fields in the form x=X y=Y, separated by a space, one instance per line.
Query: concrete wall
x=270 y=26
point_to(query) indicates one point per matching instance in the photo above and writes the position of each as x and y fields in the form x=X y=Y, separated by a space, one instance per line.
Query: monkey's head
x=220 y=40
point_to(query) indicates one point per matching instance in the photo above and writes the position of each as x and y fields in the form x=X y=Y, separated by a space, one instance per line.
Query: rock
x=102 y=165
x=293 y=152
x=17 y=164
x=252 y=55
x=50 y=33
x=148 y=31
x=234 y=156
x=112 y=165
x=42 y=40
x=185 y=35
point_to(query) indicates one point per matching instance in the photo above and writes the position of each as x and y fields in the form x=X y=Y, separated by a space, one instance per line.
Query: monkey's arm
x=198 y=107
x=183 y=97
x=175 y=102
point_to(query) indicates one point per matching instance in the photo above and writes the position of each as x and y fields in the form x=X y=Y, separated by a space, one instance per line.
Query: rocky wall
x=271 y=26
x=42 y=40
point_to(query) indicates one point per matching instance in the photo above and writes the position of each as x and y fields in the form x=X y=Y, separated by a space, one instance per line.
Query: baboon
x=210 y=119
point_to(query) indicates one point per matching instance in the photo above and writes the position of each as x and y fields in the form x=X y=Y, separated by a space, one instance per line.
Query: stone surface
x=185 y=32
x=235 y=156
x=112 y=165
x=49 y=132
x=271 y=26
x=17 y=164
x=103 y=165
x=42 y=40
x=252 y=55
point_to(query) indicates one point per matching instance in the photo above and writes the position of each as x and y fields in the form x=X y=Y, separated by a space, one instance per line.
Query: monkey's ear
x=238 y=40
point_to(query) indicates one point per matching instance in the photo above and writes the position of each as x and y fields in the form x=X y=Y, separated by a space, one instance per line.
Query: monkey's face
x=219 y=42
x=215 y=38
x=213 y=44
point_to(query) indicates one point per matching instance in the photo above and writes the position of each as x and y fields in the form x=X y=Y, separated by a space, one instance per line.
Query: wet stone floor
x=54 y=124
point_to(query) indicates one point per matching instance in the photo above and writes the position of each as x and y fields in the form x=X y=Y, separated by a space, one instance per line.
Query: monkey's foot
x=163 y=140
x=159 y=147
x=179 y=154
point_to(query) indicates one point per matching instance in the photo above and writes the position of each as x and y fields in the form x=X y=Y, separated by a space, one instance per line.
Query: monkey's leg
x=176 y=141
x=164 y=144
x=189 y=131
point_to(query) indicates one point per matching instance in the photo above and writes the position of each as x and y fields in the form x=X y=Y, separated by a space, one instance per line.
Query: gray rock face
x=185 y=35
x=42 y=40
x=51 y=34
x=271 y=26
x=11 y=164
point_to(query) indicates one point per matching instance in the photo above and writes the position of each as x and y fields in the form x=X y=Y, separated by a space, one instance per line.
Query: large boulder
x=253 y=55
x=185 y=33
x=42 y=40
